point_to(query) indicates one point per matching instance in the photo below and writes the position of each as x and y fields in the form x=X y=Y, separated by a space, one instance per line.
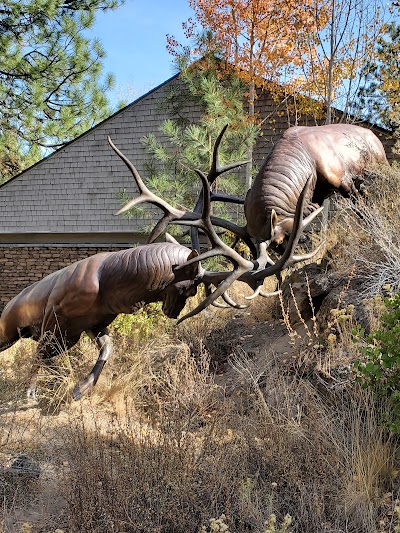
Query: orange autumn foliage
x=258 y=37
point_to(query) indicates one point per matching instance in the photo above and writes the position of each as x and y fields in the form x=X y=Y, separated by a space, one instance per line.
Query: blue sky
x=134 y=39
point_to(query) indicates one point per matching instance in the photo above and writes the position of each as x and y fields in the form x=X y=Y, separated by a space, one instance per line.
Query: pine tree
x=190 y=145
x=49 y=77
x=380 y=94
x=260 y=40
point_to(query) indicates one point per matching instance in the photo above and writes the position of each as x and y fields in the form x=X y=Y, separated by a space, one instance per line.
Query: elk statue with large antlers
x=334 y=156
x=88 y=295
x=330 y=158
x=251 y=272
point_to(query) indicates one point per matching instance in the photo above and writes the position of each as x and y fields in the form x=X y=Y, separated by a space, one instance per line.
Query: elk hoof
x=76 y=393
x=83 y=387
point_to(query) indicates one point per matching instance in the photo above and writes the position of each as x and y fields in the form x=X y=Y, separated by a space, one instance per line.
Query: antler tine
x=205 y=223
x=260 y=292
x=227 y=299
x=305 y=257
x=225 y=296
x=264 y=258
x=145 y=194
x=219 y=248
x=298 y=258
x=311 y=217
x=216 y=169
x=222 y=287
x=208 y=291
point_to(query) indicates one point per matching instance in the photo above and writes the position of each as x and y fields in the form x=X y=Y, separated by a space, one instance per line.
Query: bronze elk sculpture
x=87 y=296
x=334 y=156
x=330 y=158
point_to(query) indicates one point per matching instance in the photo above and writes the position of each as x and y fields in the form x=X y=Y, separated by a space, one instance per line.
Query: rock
x=318 y=291
x=309 y=285
x=346 y=298
x=22 y=467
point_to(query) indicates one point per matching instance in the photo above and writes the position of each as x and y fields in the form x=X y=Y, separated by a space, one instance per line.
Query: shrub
x=380 y=369
x=366 y=231
x=142 y=323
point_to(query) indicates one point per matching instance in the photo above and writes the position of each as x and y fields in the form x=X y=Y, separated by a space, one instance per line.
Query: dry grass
x=319 y=457
x=367 y=233
x=190 y=451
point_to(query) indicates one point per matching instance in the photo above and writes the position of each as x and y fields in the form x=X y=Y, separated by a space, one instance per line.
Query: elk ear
x=193 y=269
x=274 y=220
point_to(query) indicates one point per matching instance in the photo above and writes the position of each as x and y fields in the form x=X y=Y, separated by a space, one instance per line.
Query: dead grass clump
x=370 y=458
x=274 y=445
x=367 y=231
x=194 y=462
x=333 y=464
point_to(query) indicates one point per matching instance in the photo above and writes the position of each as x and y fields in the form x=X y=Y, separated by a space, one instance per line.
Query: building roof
x=77 y=189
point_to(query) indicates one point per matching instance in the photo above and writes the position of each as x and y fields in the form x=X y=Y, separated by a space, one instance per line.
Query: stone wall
x=21 y=266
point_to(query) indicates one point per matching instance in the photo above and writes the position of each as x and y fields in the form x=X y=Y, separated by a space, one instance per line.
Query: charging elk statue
x=330 y=158
x=87 y=296
x=334 y=156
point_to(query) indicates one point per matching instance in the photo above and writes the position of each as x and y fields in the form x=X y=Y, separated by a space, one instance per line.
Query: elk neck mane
x=151 y=265
x=284 y=174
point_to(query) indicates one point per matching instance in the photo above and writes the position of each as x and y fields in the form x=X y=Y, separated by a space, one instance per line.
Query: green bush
x=379 y=370
x=142 y=323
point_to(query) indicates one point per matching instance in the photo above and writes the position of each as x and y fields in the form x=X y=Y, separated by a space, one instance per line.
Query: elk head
x=282 y=226
x=184 y=286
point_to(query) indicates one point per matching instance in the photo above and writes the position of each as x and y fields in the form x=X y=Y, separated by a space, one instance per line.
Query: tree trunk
x=249 y=165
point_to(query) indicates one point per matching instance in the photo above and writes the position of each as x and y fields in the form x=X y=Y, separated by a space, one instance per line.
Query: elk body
x=87 y=296
x=253 y=272
x=334 y=156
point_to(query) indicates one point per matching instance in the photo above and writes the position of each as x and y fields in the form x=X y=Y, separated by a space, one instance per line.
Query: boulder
x=315 y=291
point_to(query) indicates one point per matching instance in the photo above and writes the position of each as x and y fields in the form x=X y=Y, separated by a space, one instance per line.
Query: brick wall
x=21 y=266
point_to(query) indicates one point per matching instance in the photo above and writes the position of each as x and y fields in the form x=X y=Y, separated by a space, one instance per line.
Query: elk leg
x=9 y=334
x=104 y=343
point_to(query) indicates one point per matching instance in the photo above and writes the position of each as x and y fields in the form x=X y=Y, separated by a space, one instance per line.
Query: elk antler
x=215 y=171
x=251 y=272
x=178 y=216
